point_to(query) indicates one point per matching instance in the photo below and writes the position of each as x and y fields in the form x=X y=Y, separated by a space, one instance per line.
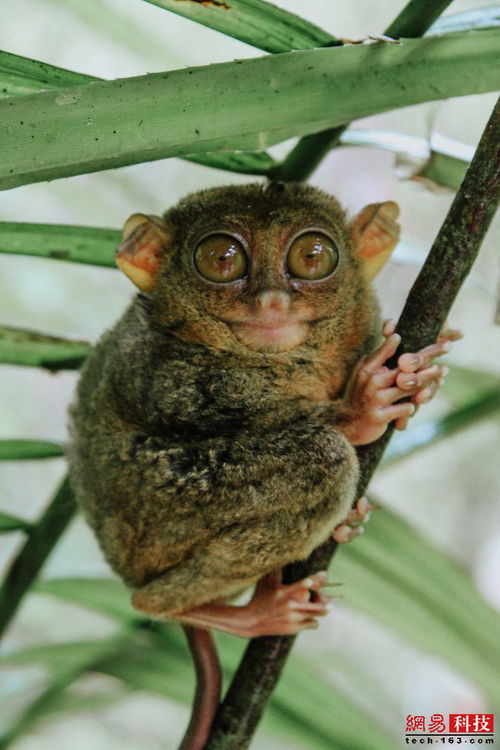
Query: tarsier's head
x=264 y=267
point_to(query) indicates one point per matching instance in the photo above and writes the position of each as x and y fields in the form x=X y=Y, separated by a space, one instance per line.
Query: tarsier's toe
x=349 y=528
x=307 y=600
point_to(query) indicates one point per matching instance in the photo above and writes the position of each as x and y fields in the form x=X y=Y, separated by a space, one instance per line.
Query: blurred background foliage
x=416 y=630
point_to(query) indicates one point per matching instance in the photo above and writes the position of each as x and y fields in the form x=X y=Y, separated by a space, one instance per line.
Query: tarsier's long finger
x=383 y=378
x=388 y=328
x=349 y=529
x=449 y=334
x=376 y=360
x=318 y=608
x=412 y=381
x=311 y=583
x=345 y=533
x=413 y=361
x=426 y=394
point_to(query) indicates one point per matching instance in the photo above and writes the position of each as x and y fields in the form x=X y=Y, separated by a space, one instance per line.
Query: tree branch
x=431 y=297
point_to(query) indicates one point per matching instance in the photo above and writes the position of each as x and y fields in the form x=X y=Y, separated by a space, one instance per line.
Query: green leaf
x=11 y=523
x=255 y=22
x=258 y=162
x=399 y=578
x=416 y=17
x=21 y=75
x=302 y=708
x=28 y=563
x=444 y=169
x=108 y=596
x=423 y=434
x=17 y=450
x=21 y=347
x=60 y=242
x=66 y=663
x=243 y=105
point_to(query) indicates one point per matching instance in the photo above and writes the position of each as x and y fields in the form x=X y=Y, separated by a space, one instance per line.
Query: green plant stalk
x=32 y=349
x=261 y=24
x=41 y=540
x=415 y=18
x=242 y=105
x=448 y=264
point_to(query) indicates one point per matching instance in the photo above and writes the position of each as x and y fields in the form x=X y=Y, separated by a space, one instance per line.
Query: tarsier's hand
x=374 y=393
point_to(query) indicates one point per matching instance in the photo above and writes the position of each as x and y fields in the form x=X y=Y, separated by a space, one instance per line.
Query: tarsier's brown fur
x=203 y=464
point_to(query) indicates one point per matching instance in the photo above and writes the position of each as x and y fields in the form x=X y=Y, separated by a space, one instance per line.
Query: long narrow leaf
x=255 y=22
x=60 y=242
x=403 y=581
x=32 y=349
x=17 y=450
x=67 y=664
x=22 y=75
x=110 y=597
x=304 y=715
x=423 y=434
x=42 y=538
x=259 y=163
x=11 y=523
x=240 y=105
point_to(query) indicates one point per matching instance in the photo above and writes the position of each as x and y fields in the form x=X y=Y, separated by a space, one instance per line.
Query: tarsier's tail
x=208 y=687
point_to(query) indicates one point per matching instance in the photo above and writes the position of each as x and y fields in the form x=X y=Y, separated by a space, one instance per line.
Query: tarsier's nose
x=272 y=299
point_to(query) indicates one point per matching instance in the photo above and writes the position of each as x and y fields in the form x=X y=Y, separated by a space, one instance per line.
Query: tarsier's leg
x=275 y=608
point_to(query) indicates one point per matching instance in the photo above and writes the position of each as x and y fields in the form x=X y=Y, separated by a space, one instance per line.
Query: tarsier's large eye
x=221 y=258
x=312 y=255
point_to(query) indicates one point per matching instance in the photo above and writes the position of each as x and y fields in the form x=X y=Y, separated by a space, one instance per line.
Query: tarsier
x=215 y=424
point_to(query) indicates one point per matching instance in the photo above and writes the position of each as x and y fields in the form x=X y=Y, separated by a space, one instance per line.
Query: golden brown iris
x=221 y=258
x=312 y=255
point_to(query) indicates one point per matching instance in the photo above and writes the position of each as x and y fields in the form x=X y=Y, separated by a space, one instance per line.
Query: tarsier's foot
x=275 y=609
x=350 y=527
x=374 y=392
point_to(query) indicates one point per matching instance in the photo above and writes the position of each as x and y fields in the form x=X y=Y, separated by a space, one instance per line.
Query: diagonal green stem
x=448 y=264
x=41 y=540
x=415 y=18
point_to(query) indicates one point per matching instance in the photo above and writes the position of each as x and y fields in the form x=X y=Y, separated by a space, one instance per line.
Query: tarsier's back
x=205 y=450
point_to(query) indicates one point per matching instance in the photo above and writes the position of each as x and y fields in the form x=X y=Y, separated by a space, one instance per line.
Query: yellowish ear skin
x=140 y=254
x=375 y=234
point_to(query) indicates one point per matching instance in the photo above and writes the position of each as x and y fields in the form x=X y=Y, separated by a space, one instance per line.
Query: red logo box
x=471 y=723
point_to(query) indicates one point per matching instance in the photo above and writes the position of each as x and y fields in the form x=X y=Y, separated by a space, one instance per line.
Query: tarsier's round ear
x=375 y=234
x=145 y=239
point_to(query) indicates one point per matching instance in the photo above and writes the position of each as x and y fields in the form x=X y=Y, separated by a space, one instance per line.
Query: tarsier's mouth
x=271 y=337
